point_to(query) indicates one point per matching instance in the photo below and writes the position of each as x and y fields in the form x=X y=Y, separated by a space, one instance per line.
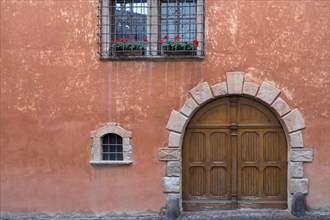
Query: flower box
x=128 y=53
x=179 y=53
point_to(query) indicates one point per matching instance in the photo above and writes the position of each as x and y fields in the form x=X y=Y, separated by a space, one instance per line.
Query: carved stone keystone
x=235 y=82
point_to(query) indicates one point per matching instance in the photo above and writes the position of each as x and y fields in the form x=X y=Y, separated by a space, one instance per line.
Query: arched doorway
x=235 y=85
x=234 y=156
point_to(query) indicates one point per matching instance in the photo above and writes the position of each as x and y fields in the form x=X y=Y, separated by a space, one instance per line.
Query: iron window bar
x=151 y=29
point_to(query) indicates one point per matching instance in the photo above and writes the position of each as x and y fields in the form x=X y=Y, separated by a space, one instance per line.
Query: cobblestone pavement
x=211 y=215
x=252 y=214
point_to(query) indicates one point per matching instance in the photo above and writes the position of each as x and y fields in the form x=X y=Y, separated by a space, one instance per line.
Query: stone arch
x=291 y=120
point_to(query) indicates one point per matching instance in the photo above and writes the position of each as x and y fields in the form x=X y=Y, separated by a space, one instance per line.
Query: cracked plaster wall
x=54 y=91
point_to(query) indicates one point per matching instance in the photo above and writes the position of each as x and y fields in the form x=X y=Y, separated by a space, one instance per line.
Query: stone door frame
x=291 y=120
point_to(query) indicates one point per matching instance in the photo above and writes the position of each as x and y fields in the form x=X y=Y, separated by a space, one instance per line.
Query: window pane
x=113 y=148
x=120 y=157
x=106 y=149
x=106 y=139
x=112 y=156
x=178 y=17
x=130 y=20
x=105 y=157
x=119 y=148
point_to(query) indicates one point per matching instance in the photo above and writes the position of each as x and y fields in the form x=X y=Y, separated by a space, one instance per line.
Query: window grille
x=112 y=147
x=151 y=28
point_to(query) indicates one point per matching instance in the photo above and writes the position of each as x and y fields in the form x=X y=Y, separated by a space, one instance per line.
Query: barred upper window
x=151 y=28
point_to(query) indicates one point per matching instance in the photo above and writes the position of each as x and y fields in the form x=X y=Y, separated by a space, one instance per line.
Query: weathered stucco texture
x=55 y=91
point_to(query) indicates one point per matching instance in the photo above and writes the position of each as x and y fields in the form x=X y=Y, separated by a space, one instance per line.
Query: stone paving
x=211 y=215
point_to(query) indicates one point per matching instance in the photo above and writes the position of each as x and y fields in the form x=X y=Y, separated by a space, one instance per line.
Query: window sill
x=153 y=58
x=110 y=162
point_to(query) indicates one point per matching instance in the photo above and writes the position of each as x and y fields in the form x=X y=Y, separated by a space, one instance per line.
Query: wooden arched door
x=234 y=156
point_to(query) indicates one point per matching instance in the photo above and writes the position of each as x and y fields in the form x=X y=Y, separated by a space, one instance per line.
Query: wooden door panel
x=249 y=146
x=196 y=182
x=218 y=181
x=272 y=181
x=219 y=145
x=271 y=145
x=197 y=147
x=249 y=181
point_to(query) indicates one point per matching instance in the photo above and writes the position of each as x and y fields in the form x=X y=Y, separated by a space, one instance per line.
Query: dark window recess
x=151 y=28
x=112 y=147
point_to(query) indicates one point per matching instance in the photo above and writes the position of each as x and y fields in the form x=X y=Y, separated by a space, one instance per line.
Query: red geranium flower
x=166 y=36
x=161 y=41
x=177 y=37
x=196 y=42
x=145 y=40
x=122 y=39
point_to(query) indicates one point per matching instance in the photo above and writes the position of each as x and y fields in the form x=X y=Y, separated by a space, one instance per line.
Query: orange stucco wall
x=55 y=91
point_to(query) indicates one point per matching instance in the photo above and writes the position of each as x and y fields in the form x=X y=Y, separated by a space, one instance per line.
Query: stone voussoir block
x=267 y=92
x=171 y=184
x=173 y=168
x=294 y=121
x=296 y=169
x=174 y=139
x=189 y=107
x=219 y=89
x=176 y=122
x=235 y=82
x=281 y=106
x=299 y=185
x=201 y=93
x=296 y=140
x=301 y=155
x=250 y=88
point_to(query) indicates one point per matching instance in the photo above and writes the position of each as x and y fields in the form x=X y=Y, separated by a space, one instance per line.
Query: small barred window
x=111 y=145
x=151 y=28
